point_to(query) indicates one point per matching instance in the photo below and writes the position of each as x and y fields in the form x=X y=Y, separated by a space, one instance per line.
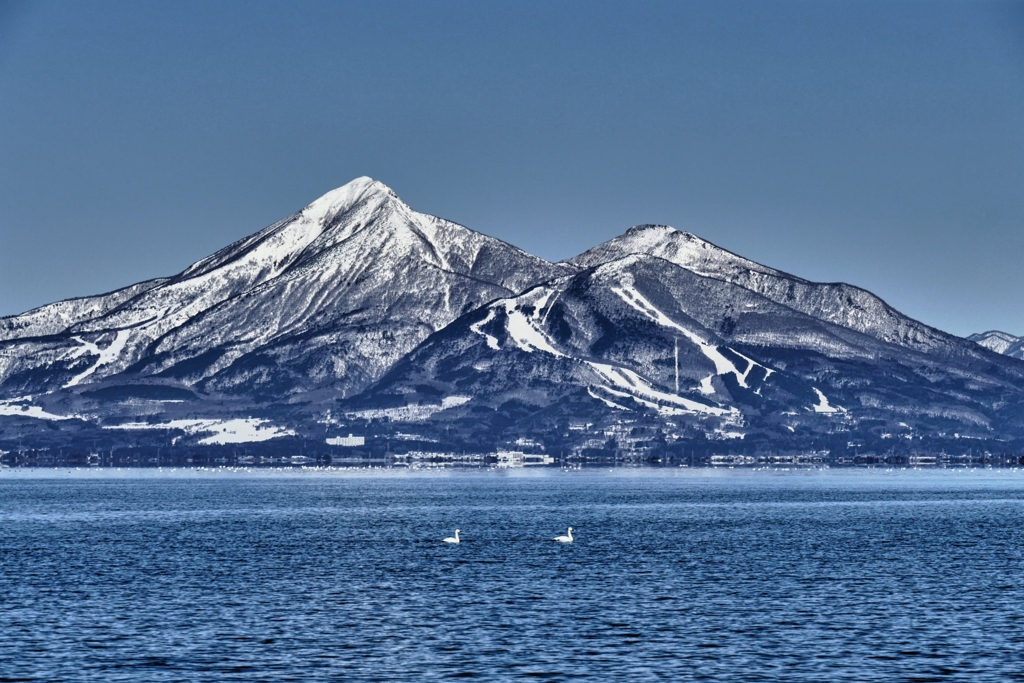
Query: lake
x=817 y=575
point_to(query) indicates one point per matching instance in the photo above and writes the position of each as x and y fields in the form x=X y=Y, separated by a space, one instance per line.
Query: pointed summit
x=344 y=198
x=276 y=247
x=330 y=296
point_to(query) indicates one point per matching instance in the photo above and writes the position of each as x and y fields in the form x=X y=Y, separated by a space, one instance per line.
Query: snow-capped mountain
x=659 y=322
x=1001 y=342
x=837 y=303
x=358 y=308
x=326 y=299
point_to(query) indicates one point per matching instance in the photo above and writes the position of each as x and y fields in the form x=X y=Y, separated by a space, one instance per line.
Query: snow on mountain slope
x=681 y=248
x=635 y=331
x=56 y=317
x=836 y=303
x=359 y=299
x=1000 y=342
x=330 y=296
x=640 y=333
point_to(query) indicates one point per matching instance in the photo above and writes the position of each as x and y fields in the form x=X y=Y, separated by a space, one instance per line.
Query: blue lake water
x=799 y=576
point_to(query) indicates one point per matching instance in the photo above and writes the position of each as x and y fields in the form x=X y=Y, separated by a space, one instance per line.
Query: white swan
x=453 y=539
x=564 y=539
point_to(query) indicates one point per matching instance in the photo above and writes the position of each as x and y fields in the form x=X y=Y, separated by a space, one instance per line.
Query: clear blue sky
x=880 y=144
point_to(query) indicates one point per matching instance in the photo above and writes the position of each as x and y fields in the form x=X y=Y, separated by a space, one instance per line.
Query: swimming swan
x=564 y=539
x=453 y=539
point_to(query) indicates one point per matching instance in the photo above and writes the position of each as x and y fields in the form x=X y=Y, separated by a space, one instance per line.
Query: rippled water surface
x=819 y=576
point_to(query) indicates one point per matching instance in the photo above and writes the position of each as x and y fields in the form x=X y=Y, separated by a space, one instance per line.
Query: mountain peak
x=994 y=334
x=679 y=247
x=1000 y=342
x=651 y=229
x=649 y=237
x=343 y=198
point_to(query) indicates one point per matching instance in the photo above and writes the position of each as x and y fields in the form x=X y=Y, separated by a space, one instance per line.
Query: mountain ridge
x=608 y=331
x=707 y=259
x=357 y=309
x=1000 y=342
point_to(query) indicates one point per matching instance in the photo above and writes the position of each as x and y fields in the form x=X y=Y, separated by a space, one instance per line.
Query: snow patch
x=823 y=406
x=544 y=320
x=454 y=401
x=664 y=410
x=413 y=413
x=19 y=407
x=540 y=302
x=637 y=387
x=751 y=364
x=723 y=365
x=107 y=355
x=524 y=334
x=243 y=430
x=476 y=328
x=610 y=404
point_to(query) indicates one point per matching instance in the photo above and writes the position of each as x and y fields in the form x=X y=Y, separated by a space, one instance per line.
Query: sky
x=875 y=143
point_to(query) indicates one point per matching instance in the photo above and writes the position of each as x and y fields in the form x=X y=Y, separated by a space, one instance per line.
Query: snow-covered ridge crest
x=57 y=317
x=1000 y=342
x=675 y=246
x=243 y=264
x=280 y=244
x=345 y=197
x=836 y=303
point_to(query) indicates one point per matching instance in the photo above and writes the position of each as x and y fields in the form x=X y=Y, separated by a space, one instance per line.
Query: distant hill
x=1001 y=342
